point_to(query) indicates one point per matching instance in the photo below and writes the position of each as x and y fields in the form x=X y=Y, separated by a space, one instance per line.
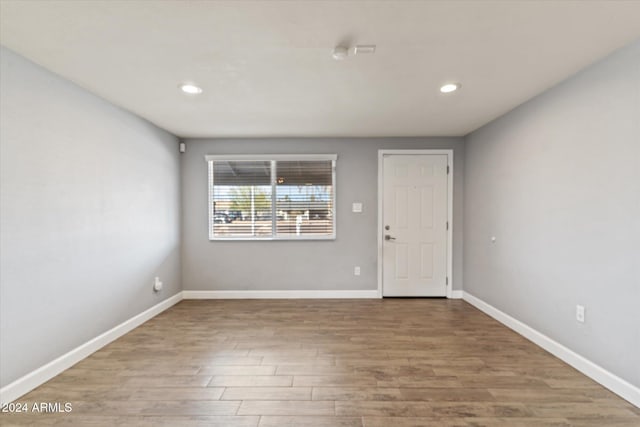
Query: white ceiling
x=266 y=66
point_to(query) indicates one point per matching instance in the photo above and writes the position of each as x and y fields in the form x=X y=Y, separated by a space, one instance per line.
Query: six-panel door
x=415 y=225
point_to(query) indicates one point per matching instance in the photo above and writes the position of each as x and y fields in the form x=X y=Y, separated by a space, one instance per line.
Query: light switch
x=356 y=207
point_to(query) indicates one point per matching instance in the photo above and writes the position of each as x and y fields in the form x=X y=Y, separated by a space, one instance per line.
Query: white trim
x=210 y=203
x=215 y=157
x=246 y=294
x=380 y=224
x=450 y=222
x=43 y=374
x=597 y=373
x=268 y=239
x=25 y=384
x=456 y=294
x=420 y=151
x=449 y=154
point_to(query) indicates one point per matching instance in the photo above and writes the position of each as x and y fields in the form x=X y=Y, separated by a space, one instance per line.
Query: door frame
x=449 y=154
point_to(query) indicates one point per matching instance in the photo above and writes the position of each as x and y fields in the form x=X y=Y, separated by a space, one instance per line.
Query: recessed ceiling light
x=190 y=88
x=450 y=87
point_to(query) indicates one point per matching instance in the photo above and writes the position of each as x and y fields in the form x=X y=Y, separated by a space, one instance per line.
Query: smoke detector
x=340 y=53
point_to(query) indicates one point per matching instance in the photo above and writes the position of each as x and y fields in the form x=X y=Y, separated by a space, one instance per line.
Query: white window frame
x=273 y=158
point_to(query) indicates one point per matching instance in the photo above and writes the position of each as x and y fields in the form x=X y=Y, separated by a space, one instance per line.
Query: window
x=272 y=197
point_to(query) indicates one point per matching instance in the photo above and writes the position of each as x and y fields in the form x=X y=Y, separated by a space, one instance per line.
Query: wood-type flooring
x=386 y=363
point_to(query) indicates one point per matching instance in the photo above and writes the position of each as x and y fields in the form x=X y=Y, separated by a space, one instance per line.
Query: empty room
x=319 y=213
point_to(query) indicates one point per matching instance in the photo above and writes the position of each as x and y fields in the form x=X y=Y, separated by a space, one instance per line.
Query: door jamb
x=449 y=154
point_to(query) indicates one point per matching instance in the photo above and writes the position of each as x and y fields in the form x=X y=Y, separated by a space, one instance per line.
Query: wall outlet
x=157 y=285
x=580 y=313
x=356 y=270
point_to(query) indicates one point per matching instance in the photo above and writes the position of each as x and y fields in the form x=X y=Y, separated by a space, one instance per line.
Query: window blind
x=304 y=198
x=241 y=199
x=290 y=198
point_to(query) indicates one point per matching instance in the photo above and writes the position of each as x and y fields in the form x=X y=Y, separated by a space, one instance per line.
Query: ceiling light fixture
x=340 y=53
x=190 y=88
x=450 y=87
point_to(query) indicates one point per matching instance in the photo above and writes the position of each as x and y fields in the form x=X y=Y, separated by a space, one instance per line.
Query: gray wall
x=557 y=181
x=310 y=265
x=89 y=215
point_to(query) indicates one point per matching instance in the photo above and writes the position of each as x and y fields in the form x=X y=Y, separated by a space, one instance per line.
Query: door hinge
x=447 y=225
x=447 y=169
x=446 y=281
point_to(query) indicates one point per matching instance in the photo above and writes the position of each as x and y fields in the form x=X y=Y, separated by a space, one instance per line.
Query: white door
x=414 y=220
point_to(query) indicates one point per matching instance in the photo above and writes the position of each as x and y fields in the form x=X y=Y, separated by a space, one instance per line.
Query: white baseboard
x=456 y=295
x=25 y=384
x=614 y=383
x=337 y=294
x=43 y=374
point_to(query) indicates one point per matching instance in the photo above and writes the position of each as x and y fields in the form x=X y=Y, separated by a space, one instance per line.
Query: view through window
x=283 y=197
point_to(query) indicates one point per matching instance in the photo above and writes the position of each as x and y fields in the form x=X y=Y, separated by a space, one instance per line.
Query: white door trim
x=449 y=154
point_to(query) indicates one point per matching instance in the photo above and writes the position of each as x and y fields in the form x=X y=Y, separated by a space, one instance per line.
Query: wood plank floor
x=410 y=362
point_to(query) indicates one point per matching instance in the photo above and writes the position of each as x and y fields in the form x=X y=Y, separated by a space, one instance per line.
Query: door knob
x=388 y=237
